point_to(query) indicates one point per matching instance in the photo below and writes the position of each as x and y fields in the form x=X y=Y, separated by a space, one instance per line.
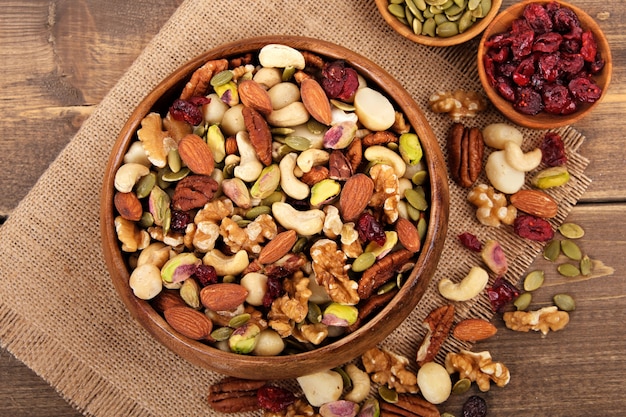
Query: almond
x=535 y=202
x=315 y=101
x=128 y=205
x=253 y=95
x=408 y=234
x=356 y=193
x=278 y=247
x=473 y=330
x=196 y=154
x=166 y=300
x=223 y=297
x=189 y=322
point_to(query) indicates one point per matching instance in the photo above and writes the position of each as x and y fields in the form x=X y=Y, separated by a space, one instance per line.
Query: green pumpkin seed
x=523 y=301
x=446 y=414
x=146 y=220
x=413 y=8
x=174 y=161
x=473 y=4
x=429 y=26
x=571 y=250
x=586 y=265
x=564 y=302
x=282 y=131
x=222 y=333
x=229 y=278
x=440 y=19
x=389 y=286
x=387 y=394
x=176 y=176
x=417 y=26
x=552 y=250
x=568 y=270
x=435 y=10
x=298 y=143
x=416 y=199
x=396 y=1
x=243 y=222
x=422 y=226
x=255 y=212
x=299 y=245
x=461 y=3
x=221 y=78
x=485 y=5
x=421 y=5
x=447 y=29
x=272 y=198
x=419 y=178
x=363 y=261
x=239 y=320
x=534 y=280
x=145 y=185
x=347 y=382
x=571 y=230
x=414 y=214
x=342 y=105
x=465 y=21
x=314 y=314
x=396 y=10
x=461 y=386
x=409 y=16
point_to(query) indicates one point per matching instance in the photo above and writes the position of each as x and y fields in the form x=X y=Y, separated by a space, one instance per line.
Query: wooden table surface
x=59 y=58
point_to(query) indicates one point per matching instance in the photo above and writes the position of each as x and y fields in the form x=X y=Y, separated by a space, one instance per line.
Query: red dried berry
x=274 y=399
x=471 y=242
x=188 y=110
x=547 y=42
x=205 y=275
x=370 y=230
x=339 y=80
x=585 y=89
x=180 y=220
x=501 y=293
x=553 y=150
x=589 y=47
x=528 y=101
x=475 y=406
x=558 y=100
x=274 y=290
x=533 y=228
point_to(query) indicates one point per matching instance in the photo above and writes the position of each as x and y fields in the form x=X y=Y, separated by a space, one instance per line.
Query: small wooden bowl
x=408 y=33
x=543 y=120
x=344 y=349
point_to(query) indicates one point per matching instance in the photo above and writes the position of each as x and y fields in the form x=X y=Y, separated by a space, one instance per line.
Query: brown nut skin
x=465 y=154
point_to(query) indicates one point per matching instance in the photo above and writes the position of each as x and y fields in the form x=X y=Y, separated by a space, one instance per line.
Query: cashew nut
x=360 y=384
x=291 y=115
x=127 y=176
x=226 y=265
x=385 y=155
x=503 y=176
x=519 y=160
x=145 y=281
x=291 y=185
x=310 y=158
x=249 y=167
x=305 y=223
x=496 y=135
x=281 y=56
x=137 y=154
x=475 y=281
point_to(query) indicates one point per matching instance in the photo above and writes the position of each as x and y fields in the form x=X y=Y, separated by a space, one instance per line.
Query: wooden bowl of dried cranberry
x=193 y=303
x=544 y=64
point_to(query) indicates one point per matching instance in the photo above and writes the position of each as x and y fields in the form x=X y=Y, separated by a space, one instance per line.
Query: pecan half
x=260 y=134
x=409 y=406
x=379 y=138
x=200 y=80
x=315 y=175
x=194 y=191
x=465 y=154
x=234 y=395
x=354 y=153
x=438 y=324
x=339 y=166
x=370 y=306
x=381 y=272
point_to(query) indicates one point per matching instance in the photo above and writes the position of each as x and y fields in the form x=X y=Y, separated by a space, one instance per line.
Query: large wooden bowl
x=335 y=353
x=408 y=33
x=543 y=120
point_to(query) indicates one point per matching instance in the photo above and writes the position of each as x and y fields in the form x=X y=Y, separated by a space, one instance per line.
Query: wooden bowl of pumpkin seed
x=439 y=22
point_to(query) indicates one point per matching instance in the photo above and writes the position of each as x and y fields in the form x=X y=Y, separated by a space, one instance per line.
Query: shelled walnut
x=478 y=367
x=544 y=320
x=389 y=368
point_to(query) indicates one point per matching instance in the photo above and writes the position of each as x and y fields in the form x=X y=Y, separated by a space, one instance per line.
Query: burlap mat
x=59 y=313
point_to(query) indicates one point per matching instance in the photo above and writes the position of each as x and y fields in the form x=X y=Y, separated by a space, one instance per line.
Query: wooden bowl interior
x=333 y=354
x=408 y=33
x=543 y=120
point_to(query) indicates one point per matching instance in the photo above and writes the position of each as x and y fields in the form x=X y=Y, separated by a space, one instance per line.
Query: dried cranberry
x=370 y=230
x=499 y=54
x=490 y=69
x=522 y=44
x=547 y=42
x=584 y=90
x=205 y=275
x=183 y=110
x=523 y=72
x=499 y=40
x=501 y=293
x=549 y=67
x=538 y=18
x=471 y=242
x=558 y=100
x=339 y=80
x=475 y=406
x=180 y=220
x=553 y=150
x=274 y=399
x=571 y=64
x=274 y=290
x=589 y=47
x=533 y=228
x=565 y=20
x=528 y=101
x=596 y=66
x=506 y=89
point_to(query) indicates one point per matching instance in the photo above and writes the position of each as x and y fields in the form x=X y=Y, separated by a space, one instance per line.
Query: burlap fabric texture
x=59 y=313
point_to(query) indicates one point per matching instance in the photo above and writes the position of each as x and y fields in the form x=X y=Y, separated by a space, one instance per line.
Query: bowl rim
x=326 y=357
x=405 y=31
x=542 y=120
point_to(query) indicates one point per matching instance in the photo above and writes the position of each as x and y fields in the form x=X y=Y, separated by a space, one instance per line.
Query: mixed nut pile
x=276 y=205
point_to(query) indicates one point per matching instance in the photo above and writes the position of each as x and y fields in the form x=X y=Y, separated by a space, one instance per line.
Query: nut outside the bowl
x=338 y=351
x=543 y=120
x=403 y=28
